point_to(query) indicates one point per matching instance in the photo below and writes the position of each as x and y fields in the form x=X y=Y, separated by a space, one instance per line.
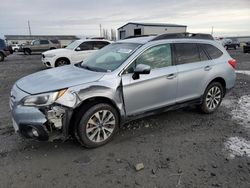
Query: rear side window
x=212 y=51
x=186 y=53
x=100 y=44
x=203 y=55
x=44 y=42
x=55 y=41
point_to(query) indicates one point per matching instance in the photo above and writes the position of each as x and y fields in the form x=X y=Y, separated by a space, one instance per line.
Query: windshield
x=73 y=45
x=2 y=44
x=110 y=57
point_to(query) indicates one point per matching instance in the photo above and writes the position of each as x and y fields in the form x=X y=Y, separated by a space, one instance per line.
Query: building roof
x=34 y=37
x=153 y=25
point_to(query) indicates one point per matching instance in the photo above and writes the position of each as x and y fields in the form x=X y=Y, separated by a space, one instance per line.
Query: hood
x=58 y=51
x=56 y=79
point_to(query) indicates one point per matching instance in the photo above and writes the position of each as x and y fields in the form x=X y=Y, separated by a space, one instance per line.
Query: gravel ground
x=180 y=148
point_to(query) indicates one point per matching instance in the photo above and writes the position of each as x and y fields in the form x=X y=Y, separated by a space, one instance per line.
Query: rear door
x=154 y=90
x=193 y=66
x=44 y=45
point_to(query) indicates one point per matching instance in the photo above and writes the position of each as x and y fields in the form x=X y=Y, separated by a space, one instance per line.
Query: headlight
x=49 y=55
x=43 y=99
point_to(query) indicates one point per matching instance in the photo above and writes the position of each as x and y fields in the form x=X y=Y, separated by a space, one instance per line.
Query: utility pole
x=212 y=32
x=100 y=30
x=29 y=27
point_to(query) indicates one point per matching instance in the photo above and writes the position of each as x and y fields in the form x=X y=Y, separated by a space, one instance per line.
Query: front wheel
x=27 y=51
x=212 y=98
x=97 y=125
x=1 y=57
x=61 y=62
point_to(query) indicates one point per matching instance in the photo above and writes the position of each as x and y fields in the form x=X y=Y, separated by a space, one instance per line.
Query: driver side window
x=156 y=57
x=36 y=42
x=86 y=46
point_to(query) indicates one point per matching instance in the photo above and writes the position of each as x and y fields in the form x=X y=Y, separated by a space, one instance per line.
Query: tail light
x=233 y=63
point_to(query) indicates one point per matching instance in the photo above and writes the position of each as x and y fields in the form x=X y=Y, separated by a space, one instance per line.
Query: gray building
x=137 y=29
x=20 y=39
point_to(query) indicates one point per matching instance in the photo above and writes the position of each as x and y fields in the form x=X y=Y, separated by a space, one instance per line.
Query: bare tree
x=113 y=35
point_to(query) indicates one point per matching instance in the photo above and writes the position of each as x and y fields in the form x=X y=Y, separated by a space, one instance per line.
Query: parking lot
x=182 y=148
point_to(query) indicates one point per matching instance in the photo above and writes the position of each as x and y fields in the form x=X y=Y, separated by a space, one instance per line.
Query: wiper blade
x=96 y=69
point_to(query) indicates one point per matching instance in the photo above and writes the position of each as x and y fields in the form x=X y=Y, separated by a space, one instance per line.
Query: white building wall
x=149 y=30
x=130 y=29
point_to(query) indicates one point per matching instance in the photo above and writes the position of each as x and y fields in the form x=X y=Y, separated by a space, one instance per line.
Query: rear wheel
x=1 y=57
x=97 y=125
x=212 y=98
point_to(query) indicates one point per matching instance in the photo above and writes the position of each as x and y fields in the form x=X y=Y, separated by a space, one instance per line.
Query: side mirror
x=78 y=49
x=141 y=69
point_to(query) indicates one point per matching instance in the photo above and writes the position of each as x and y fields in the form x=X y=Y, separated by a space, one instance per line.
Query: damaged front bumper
x=41 y=123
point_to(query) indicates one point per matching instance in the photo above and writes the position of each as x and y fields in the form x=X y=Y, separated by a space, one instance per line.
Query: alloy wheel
x=213 y=97
x=62 y=62
x=100 y=126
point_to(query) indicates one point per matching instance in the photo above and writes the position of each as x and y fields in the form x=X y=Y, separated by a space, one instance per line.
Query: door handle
x=171 y=76
x=207 y=68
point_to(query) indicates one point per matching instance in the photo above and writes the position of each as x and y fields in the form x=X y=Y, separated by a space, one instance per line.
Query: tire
x=91 y=128
x=212 y=98
x=62 y=62
x=27 y=51
x=1 y=57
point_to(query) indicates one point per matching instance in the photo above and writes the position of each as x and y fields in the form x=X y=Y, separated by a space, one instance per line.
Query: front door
x=154 y=90
x=82 y=51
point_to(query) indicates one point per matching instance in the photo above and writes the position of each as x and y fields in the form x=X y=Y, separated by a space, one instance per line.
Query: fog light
x=35 y=133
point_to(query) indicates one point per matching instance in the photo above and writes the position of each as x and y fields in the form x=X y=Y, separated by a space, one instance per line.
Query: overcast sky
x=82 y=17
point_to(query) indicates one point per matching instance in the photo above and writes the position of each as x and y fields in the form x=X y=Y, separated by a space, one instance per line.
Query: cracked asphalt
x=182 y=148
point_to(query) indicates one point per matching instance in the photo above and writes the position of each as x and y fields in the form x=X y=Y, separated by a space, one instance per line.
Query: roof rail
x=137 y=36
x=100 y=38
x=183 y=36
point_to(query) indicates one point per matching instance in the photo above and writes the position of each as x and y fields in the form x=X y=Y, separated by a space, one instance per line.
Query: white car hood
x=59 y=51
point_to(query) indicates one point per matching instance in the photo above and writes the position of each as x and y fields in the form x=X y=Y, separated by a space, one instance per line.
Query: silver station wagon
x=126 y=80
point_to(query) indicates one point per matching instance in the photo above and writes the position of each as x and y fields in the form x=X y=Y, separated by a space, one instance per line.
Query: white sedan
x=75 y=52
